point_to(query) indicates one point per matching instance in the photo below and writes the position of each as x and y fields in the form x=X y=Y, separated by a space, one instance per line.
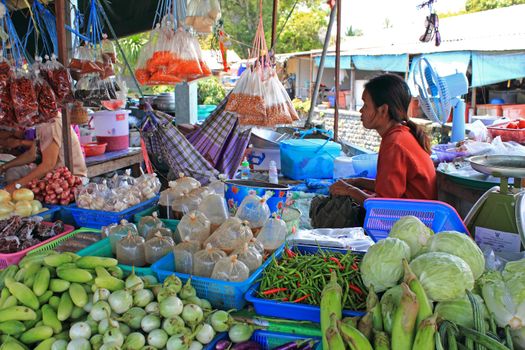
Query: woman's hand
x=10 y=188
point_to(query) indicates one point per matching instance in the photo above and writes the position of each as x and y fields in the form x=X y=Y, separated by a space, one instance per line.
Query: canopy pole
x=337 y=71
x=320 y=70
x=60 y=11
x=274 y=22
x=473 y=102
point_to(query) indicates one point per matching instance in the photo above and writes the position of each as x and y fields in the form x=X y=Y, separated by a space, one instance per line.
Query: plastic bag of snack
x=184 y=204
x=204 y=260
x=183 y=255
x=249 y=255
x=47 y=104
x=186 y=183
x=147 y=223
x=201 y=15
x=194 y=225
x=163 y=231
x=23 y=96
x=119 y=231
x=6 y=105
x=108 y=48
x=60 y=80
x=130 y=250
x=255 y=210
x=230 y=269
x=157 y=247
x=231 y=234
x=215 y=209
x=273 y=234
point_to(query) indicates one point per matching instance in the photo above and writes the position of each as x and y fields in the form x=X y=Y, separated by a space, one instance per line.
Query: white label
x=499 y=241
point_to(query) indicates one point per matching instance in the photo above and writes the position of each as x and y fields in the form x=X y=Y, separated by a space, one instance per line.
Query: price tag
x=499 y=241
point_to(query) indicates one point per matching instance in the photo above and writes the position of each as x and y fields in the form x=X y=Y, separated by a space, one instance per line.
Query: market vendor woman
x=44 y=154
x=404 y=167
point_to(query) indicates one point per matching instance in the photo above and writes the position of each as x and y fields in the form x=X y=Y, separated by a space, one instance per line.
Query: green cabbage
x=459 y=311
x=504 y=294
x=413 y=232
x=460 y=245
x=382 y=265
x=443 y=276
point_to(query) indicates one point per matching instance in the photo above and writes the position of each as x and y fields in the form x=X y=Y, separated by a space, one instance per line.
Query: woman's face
x=369 y=112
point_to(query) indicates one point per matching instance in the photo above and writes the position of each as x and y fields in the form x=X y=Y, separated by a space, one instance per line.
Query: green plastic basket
x=103 y=248
x=54 y=244
x=169 y=223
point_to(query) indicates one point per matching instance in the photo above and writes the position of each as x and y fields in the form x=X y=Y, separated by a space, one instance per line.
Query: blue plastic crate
x=300 y=312
x=50 y=215
x=268 y=340
x=221 y=294
x=98 y=218
x=381 y=215
x=64 y=215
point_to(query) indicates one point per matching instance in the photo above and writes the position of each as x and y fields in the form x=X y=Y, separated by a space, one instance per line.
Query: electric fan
x=437 y=95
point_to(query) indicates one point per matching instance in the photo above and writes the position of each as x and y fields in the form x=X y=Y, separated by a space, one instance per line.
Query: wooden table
x=112 y=161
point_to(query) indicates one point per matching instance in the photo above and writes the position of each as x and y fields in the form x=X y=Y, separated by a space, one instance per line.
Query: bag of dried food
x=23 y=96
x=201 y=15
x=60 y=80
x=204 y=260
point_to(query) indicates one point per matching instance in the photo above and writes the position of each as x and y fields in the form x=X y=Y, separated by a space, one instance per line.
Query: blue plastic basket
x=268 y=340
x=381 y=215
x=50 y=215
x=98 y=218
x=300 y=312
x=221 y=294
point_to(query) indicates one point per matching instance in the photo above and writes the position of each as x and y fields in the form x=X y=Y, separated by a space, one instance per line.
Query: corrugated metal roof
x=494 y=30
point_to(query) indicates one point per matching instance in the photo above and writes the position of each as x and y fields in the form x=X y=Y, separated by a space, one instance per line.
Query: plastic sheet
x=346 y=238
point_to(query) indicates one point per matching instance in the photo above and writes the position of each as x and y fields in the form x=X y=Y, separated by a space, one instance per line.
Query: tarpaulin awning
x=489 y=68
x=329 y=62
x=387 y=63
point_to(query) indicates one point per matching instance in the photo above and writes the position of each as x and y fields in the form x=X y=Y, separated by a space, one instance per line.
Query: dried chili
x=60 y=80
x=24 y=99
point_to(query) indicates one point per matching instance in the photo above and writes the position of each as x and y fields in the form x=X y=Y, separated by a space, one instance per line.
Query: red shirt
x=404 y=169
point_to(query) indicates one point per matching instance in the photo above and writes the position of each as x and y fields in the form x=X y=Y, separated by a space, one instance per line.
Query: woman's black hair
x=392 y=90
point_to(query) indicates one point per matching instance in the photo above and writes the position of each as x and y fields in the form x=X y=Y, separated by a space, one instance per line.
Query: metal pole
x=321 y=68
x=60 y=10
x=337 y=70
x=473 y=102
x=274 y=22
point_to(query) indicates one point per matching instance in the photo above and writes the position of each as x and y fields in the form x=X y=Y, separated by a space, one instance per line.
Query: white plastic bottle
x=273 y=175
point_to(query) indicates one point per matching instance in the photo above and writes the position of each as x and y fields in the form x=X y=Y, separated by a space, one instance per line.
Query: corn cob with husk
x=330 y=305
x=381 y=341
x=333 y=336
x=403 y=325
x=425 y=336
x=353 y=338
x=425 y=306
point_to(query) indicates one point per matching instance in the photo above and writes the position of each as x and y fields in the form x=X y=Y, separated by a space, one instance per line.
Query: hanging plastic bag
x=47 y=104
x=117 y=232
x=272 y=234
x=147 y=223
x=23 y=95
x=230 y=269
x=249 y=255
x=108 y=48
x=6 y=106
x=279 y=107
x=204 y=260
x=201 y=15
x=130 y=250
x=215 y=209
x=231 y=234
x=183 y=255
x=195 y=226
x=247 y=99
x=60 y=80
x=142 y=74
x=157 y=247
x=255 y=210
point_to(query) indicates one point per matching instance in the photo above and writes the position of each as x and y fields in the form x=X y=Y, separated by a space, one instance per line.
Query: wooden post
x=353 y=98
x=60 y=10
x=274 y=23
x=473 y=101
x=337 y=71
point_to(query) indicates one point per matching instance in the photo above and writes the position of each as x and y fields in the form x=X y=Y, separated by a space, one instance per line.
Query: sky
x=370 y=15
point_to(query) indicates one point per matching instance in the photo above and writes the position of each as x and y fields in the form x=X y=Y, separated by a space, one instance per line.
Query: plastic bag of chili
x=60 y=80
x=23 y=96
x=47 y=104
x=6 y=107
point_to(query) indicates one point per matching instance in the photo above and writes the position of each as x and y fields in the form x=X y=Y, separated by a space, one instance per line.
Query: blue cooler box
x=308 y=158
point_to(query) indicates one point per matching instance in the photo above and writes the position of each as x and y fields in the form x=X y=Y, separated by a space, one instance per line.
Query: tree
x=241 y=18
x=351 y=31
x=387 y=24
x=483 y=5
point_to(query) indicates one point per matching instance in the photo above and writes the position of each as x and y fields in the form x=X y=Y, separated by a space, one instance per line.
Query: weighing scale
x=497 y=219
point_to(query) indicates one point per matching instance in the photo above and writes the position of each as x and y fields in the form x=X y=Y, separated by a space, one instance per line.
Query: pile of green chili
x=300 y=278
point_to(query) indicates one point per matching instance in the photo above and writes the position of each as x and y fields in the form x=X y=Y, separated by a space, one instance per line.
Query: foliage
x=351 y=31
x=132 y=46
x=302 y=107
x=483 y=5
x=299 y=34
x=210 y=91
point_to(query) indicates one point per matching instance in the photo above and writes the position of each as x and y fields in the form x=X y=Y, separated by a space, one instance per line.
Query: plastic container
x=381 y=215
x=94 y=149
x=103 y=248
x=514 y=111
x=443 y=155
x=308 y=158
x=112 y=127
x=268 y=340
x=517 y=135
x=293 y=311
x=222 y=295
x=273 y=175
x=343 y=167
x=365 y=165
x=54 y=244
x=236 y=190
x=260 y=158
x=14 y=258
x=98 y=218
x=169 y=223
x=488 y=109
